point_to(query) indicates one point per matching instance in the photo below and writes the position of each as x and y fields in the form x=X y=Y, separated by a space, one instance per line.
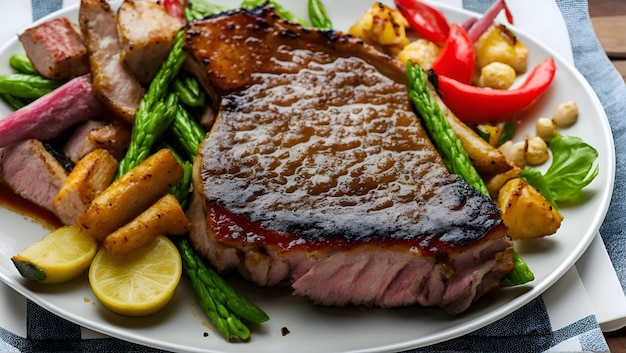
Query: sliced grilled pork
x=113 y=84
x=52 y=114
x=32 y=172
x=146 y=31
x=98 y=134
x=317 y=172
x=56 y=49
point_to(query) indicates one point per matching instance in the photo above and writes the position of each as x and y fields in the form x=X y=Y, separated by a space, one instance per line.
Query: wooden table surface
x=609 y=21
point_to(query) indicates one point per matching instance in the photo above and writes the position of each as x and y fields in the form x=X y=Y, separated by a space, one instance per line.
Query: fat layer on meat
x=318 y=172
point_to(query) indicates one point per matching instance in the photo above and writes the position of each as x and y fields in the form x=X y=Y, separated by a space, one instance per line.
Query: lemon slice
x=138 y=283
x=58 y=257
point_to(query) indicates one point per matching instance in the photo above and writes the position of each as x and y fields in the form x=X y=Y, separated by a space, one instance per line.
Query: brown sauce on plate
x=17 y=204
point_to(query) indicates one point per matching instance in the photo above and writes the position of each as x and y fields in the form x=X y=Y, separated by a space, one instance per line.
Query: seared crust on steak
x=318 y=172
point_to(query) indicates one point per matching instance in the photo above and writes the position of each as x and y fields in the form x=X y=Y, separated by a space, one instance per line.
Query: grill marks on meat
x=116 y=87
x=318 y=172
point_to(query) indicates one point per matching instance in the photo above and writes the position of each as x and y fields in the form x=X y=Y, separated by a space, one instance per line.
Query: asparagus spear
x=213 y=298
x=15 y=102
x=188 y=132
x=147 y=129
x=182 y=189
x=317 y=15
x=189 y=90
x=199 y=9
x=21 y=63
x=148 y=124
x=520 y=273
x=222 y=304
x=449 y=146
x=219 y=300
x=453 y=154
x=27 y=86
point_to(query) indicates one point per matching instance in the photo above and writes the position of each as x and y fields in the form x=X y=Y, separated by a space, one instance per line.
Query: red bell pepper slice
x=427 y=21
x=456 y=59
x=474 y=104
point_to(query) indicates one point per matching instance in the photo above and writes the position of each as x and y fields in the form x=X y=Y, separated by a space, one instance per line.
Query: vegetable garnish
x=447 y=143
x=224 y=306
x=453 y=154
x=571 y=170
x=476 y=104
x=317 y=15
x=520 y=273
x=24 y=86
x=27 y=86
x=189 y=91
x=14 y=102
x=507 y=133
x=21 y=64
x=456 y=59
x=187 y=131
x=475 y=28
x=198 y=9
x=148 y=126
x=429 y=22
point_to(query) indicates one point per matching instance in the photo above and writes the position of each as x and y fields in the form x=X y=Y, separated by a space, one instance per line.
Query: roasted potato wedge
x=526 y=212
x=90 y=176
x=131 y=194
x=165 y=217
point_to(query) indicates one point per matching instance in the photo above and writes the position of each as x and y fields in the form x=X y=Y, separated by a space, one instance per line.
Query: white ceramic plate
x=182 y=326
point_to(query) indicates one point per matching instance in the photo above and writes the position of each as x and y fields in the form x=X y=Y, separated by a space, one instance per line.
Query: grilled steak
x=317 y=172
